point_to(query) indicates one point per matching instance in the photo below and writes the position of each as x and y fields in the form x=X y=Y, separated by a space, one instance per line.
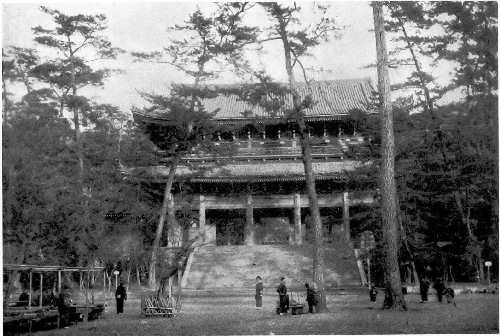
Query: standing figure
x=121 y=296
x=282 y=295
x=63 y=306
x=310 y=298
x=373 y=293
x=259 y=291
x=439 y=287
x=424 y=289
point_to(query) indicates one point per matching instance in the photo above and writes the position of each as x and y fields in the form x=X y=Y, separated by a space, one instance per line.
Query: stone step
x=236 y=266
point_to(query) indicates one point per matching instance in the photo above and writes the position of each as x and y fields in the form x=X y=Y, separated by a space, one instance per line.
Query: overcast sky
x=141 y=26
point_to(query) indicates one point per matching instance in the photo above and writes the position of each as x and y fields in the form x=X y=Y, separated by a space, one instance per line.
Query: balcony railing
x=270 y=149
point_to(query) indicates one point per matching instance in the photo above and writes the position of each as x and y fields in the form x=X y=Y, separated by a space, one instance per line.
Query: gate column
x=202 y=218
x=249 y=224
x=346 y=222
x=297 y=219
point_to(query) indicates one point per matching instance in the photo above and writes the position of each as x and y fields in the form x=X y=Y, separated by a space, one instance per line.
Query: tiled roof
x=333 y=99
x=259 y=171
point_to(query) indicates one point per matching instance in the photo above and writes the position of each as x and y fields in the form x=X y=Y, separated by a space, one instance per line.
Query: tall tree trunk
x=390 y=226
x=318 y=260
x=163 y=214
x=76 y=121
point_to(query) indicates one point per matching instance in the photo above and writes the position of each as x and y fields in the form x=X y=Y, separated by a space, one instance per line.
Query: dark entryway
x=229 y=226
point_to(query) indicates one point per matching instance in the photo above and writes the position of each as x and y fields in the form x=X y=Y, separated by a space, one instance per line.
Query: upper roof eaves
x=333 y=99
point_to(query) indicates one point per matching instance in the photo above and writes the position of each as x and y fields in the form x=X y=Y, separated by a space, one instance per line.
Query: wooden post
x=249 y=225
x=41 y=290
x=297 y=220
x=59 y=285
x=92 y=284
x=31 y=288
x=346 y=222
x=104 y=285
x=203 y=219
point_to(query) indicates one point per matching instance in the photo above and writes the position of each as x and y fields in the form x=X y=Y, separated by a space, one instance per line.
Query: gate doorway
x=229 y=226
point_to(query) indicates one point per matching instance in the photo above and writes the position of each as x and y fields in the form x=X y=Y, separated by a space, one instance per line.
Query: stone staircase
x=236 y=266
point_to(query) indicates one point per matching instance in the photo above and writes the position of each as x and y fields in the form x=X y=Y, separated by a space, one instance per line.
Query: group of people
x=284 y=301
x=441 y=290
x=425 y=284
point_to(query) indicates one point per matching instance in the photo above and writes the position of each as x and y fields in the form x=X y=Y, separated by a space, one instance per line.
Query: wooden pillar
x=202 y=219
x=291 y=232
x=297 y=219
x=31 y=289
x=346 y=222
x=41 y=290
x=249 y=225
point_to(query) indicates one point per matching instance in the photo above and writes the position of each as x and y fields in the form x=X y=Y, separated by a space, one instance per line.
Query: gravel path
x=348 y=314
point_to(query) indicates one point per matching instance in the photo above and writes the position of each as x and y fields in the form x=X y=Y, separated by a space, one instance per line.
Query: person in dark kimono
x=373 y=293
x=283 y=296
x=121 y=296
x=310 y=298
x=424 y=289
x=439 y=287
x=259 y=291
x=23 y=299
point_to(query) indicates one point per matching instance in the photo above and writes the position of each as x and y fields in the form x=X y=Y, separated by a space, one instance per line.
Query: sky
x=142 y=26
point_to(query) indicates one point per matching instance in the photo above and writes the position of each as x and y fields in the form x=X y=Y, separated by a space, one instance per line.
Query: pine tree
x=209 y=39
x=390 y=225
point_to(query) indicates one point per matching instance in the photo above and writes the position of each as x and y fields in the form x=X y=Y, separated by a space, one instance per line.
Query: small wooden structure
x=295 y=303
x=19 y=312
x=157 y=305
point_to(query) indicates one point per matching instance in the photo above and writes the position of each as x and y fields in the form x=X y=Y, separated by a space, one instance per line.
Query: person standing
x=63 y=306
x=373 y=293
x=424 y=289
x=282 y=295
x=121 y=296
x=310 y=298
x=259 y=291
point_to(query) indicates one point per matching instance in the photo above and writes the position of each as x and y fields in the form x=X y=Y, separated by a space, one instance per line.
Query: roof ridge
x=339 y=80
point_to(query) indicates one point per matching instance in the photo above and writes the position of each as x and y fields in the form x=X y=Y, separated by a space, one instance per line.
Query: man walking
x=310 y=297
x=282 y=295
x=121 y=296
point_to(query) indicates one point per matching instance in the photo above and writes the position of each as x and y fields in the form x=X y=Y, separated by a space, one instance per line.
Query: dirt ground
x=348 y=314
